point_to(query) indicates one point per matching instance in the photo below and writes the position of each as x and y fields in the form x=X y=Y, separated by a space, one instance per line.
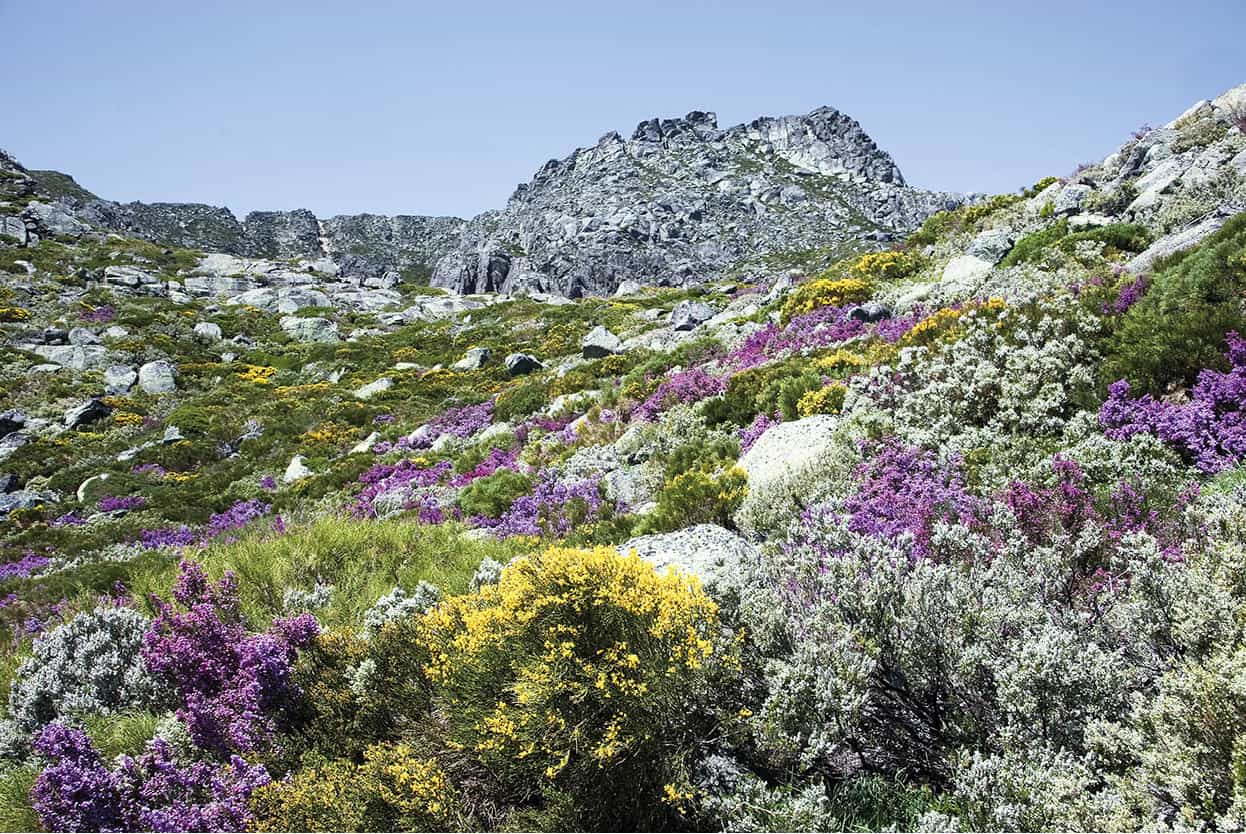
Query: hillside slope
x=954 y=527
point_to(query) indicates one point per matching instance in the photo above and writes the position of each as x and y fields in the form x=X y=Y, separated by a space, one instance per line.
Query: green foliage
x=696 y=497
x=577 y=673
x=1117 y=237
x=522 y=400
x=15 y=811
x=493 y=495
x=1178 y=327
x=1032 y=247
x=394 y=789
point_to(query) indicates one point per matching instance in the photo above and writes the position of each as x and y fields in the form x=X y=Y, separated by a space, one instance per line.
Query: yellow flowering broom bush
x=574 y=677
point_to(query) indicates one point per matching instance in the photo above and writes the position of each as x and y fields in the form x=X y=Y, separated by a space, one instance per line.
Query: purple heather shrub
x=69 y=519
x=385 y=478
x=1209 y=428
x=751 y=433
x=100 y=315
x=234 y=687
x=495 y=460
x=819 y=328
x=153 y=469
x=464 y=421
x=553 y=507
x=383 y=419
x=905 y=489
x=239 y=515
x=155 y=792
x=1129 y=295
x=30 y=563
x=269 y=483
x=76 y=792
x=167 y=537
x=112 y=503
x=689 y=386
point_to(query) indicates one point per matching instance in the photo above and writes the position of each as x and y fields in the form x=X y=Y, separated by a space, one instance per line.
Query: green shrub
x=1117 y=237
x=696 y=497
x=493 y=495
x=1179 y=326
x=522 y=400
x=1031 y=247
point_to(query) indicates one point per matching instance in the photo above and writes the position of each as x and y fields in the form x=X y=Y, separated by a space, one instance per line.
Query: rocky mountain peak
x=684 y=201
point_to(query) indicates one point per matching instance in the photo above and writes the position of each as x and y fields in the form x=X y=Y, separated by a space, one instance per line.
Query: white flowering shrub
x=398 y=604
x=297 y=599
x=91 y=665
x=488 y=573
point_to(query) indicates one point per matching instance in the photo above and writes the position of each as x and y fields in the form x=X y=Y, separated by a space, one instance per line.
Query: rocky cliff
x=683 y=201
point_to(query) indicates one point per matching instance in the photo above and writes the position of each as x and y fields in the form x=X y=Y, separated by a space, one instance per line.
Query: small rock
x=991 y=245
x=90 y=490
x=599 y=343
x=518 y=364
x=871 y=312
x=628 y=287
x=82 y=336
x=366 y=444
x=85 y=414
x=116 y=332
x=208 y=332
x=688 y=315
x=708 y=551
x=370 y=390
x=8 y=483
x=119 y=379
x=55 y=336
x=11 y=421
x=157 y=377
x=310 y=329
x=296 y=471
x=1071 y=197
x=474 y=359
x=172 y=434
x=963 y=274
x=11 y=442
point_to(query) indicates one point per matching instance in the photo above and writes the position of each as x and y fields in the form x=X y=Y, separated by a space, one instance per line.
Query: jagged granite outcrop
x=683 y=201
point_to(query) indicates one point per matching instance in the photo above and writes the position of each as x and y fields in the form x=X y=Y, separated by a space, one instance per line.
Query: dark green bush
x=1031 y=247
x=1179 y=326
x=493 y=495
x=522 y=400
x=1121 y=237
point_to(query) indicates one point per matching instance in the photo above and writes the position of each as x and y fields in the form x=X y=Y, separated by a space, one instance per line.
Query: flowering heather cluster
x=464 y=421
x=751 y=433
x=820 y=328
x=495 y=460
x=100 y=315
x=903 y=489
x=1210 y=428
x=153 y=469
x=269 y=483
x=544 y=423
x=690 y=386
x=383 y=419
x=1129 y=296
x=155 y=792
x=112 y=503
x=239 y=515
x=70 y=519
x=553 y=507
x=386 y=478
x=1046 y=514
x=30 y=563
x=233 y=686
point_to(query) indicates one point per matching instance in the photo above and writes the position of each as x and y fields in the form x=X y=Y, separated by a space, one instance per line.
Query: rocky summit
x=683 y=201
x=680 y=203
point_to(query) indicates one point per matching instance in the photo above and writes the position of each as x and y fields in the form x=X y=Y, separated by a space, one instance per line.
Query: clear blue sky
x=441 y=108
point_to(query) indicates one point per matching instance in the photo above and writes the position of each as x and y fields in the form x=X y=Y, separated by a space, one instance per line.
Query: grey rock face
x=82 y=336
x=687 y=315
x=157 y=377
x=870 y=313
x=85 y=414
x=11 y=421
x=208 y=332
x=600 y=342
x=991 y=245
x=474 y=359
x=708 y=551
x=380 y=386
x=682 y=201
x=310 y=329
x=518 y=364
x=119 y=379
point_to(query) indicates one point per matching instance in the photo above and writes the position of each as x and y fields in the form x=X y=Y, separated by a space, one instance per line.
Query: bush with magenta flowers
x=1209 y=428
x=77 y=791
x=233 y=687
